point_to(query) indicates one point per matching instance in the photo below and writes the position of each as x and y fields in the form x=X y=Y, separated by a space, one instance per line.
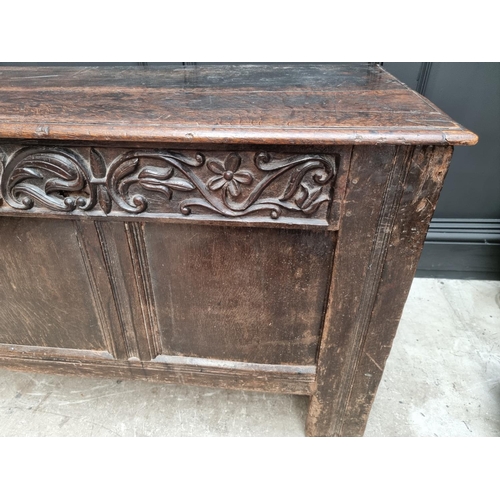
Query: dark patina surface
x=246 y=227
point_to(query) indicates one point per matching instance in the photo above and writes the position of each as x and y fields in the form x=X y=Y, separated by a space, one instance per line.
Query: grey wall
x=470 y=94
x=464 y=239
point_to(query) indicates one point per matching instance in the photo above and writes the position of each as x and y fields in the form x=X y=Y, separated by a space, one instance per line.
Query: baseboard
x=461 y=249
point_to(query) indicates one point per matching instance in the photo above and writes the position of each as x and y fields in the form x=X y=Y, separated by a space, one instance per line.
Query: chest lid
x=305 y=104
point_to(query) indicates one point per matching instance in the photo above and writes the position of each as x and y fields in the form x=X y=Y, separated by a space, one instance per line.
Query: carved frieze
x=110 y=181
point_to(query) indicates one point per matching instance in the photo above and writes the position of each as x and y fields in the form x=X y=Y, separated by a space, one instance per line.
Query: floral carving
x=308 y=187
x=232 y=185
x=227 y=175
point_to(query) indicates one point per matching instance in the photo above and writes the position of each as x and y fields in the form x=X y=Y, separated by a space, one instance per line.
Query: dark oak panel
x=45 y=293
x=244 y=294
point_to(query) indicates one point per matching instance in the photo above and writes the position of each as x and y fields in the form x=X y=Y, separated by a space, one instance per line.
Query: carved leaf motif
x=302 y=196
x=179 y=184
x=104 y=200
x=308 y=195
x=308 y=185
x=126 y=170
x=308 y=182
x=24 y=173
x=97 y=163
x=162 y=181
x=312 y=196
x=61 y=180
x=297 y=176
x=127 y=167
x=318 y=200
x=160 y=188
x=156 y=173
x=54 y=178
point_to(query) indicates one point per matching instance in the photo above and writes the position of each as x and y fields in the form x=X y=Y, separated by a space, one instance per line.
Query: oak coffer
x=248 y=227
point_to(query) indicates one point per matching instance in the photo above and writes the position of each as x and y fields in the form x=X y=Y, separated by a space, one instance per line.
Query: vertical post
x=391 y=195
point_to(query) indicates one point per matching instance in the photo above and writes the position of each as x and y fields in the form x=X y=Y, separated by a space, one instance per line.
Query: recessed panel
x=244 y=294
x=45 y=293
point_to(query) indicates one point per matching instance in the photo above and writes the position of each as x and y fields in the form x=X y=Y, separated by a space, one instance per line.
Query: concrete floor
x=442 y=379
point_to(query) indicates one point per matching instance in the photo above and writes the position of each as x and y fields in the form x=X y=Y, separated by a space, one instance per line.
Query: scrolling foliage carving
x=132 y=168
x=161 y=181
x=53 y=178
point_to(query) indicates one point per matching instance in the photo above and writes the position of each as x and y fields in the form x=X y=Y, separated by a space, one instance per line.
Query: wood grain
x=285 y=379
x=313 y=105
x=374 y=279
x=266 y=186
x=246 y=227
x=241 y=294
x=423 y=183
x=45 y=296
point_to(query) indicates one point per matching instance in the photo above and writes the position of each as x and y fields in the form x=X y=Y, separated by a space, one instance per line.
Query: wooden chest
x=246 y=227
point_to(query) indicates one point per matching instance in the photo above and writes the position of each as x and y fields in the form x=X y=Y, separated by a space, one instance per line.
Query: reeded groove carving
x=118 y=290
x=138 y=253
x=232 y=186
x=96 y=293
